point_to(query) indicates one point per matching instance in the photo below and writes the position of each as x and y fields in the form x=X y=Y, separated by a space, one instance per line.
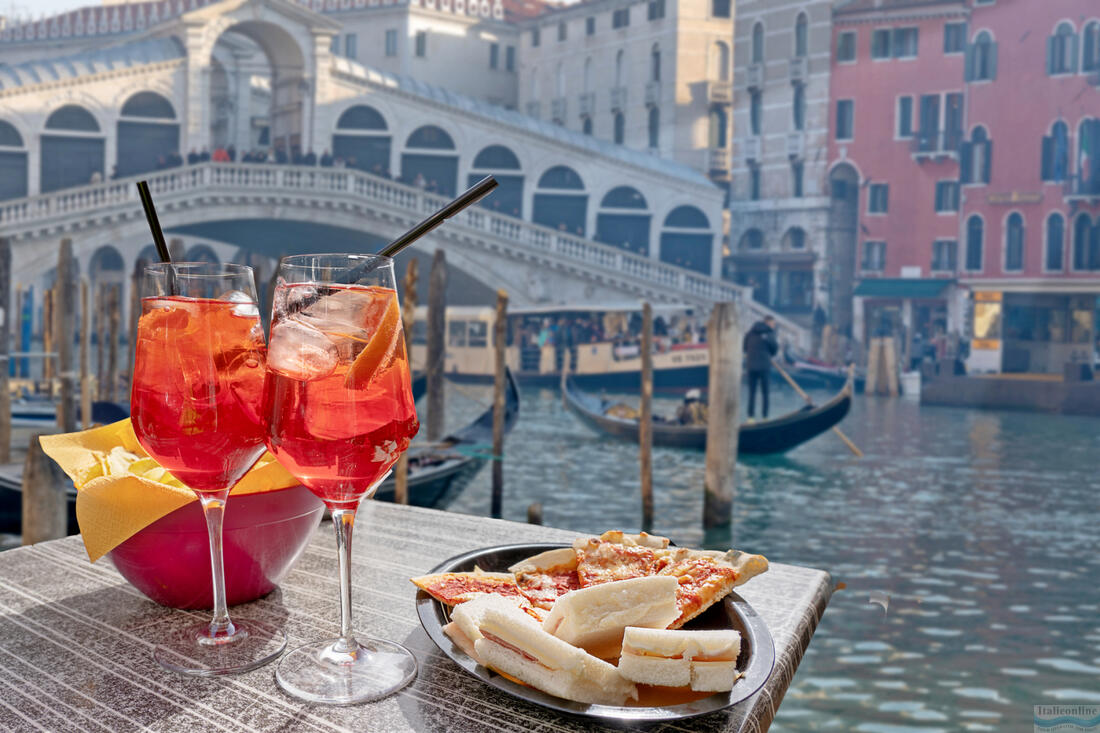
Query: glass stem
x=344 y=520
x=213 y=508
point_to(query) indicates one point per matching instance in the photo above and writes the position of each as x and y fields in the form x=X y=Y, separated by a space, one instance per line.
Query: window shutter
x=968 y=63
x=1074 y=47
x=992 y=61
x=966 y=160
x=1050 y=55
x=987 y=162
x=1046 y=163
x=954 y=196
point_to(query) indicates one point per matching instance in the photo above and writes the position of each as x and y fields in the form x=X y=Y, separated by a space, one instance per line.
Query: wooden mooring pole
x=114 y=316
x=135 y=314
x=176 y=250
x=45 y=515
x=500 y=345
x=645 y=419
x=85 y=345
x=723 y=389
x=101 y=340
x=64 y=319
x=6 y=319
x=408 y=318
x=437 y=324
x=47 y=338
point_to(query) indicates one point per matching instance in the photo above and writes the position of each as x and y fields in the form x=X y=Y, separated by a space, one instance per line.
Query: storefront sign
x=1015 y=197
x=988 y=296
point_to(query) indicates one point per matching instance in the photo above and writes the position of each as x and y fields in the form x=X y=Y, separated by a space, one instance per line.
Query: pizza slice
x=618 y=556
x=707 y=576
x=454 y=588
x=543 y=578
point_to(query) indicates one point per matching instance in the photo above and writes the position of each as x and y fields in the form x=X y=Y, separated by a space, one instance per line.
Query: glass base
x=317 y=672
x=193 y=651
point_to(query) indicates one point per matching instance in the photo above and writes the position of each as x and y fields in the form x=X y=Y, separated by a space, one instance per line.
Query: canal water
x=966 y=541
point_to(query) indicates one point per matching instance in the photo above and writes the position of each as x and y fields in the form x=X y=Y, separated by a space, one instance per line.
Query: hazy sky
x=35 y=8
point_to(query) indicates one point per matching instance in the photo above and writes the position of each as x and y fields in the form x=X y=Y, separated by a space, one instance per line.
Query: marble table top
x=76 y=640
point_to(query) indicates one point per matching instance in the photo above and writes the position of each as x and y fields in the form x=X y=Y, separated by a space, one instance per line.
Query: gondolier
x=760 y=346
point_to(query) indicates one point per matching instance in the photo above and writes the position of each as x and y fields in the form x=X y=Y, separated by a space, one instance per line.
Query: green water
x=977 y=530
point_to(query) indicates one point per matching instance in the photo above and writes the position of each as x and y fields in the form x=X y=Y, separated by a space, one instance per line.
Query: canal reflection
x=966 y=541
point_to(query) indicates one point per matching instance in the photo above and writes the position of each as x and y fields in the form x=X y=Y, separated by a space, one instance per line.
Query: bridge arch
x=148 y=131
x=687 y=240
x=431 y=157
x=362 y=138
x=561 y=201
x=106 y=266
x=13 y=162
x=72 y=148
x=504 y=165
x=202 y=253
x=623 y=220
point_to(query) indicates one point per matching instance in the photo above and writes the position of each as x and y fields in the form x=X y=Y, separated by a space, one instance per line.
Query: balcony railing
x=558 y=109
x=796 y=144
x=720 y=92
x=1079 y=188
x=587 y=104
x=800 y=70
x=653 y=93
x=534 y=109
x=618 y=99
x=755 y=74
x=751 y=149
x=936 y=143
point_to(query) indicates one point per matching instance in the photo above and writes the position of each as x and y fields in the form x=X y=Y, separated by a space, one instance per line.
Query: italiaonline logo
x=1067 y=717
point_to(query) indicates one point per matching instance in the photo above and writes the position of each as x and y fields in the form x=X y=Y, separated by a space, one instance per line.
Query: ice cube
x=301 y=351
x=292 y=298
x=247 y=307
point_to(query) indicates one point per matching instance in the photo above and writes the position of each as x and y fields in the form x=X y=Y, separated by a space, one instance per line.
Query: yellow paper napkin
x=112 y=508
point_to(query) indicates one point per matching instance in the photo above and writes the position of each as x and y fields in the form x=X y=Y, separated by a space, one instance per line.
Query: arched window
x=801 y=36
x=758 y=43
x=1087 y=179
x=436 y=168
x=756 y=111
x=686 y=239
x=623 y=220
x=72 y=149
x=752 y=239
x=1056 y=241
x=620 y=128
x=719 y=127
x=1014 y=243
x=587 y=74
x=560 y=201
x=586 y=126
x=654 y=127
x=975 y=243
x=798 y=107
x=1082 y=230
x=1062 y=50
x=503 y=164
x=795 y=238
x=655 y=63
x=1090 y=58
x=13 y=163
x=202 y=253
x=721 y=61
x=362 y=140
x=148 y=134
x=981 y=62
x=1055 y=153
x=620 y=59
x=106 y=265
x=976 y=157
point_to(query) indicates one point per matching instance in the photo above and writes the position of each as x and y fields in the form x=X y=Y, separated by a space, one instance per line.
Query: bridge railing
x=230 y=177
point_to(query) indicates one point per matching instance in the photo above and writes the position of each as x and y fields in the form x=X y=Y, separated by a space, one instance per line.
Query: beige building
x=779 y=205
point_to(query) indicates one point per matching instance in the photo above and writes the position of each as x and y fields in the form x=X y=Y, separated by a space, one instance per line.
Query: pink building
x=960 y=178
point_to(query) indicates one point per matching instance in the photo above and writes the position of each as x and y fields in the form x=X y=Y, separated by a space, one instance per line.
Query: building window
x=796 y=238
x=494 y=55
x=758 y=43
x=878 y=198
x=536 y=37
x=351 y=45
x=1082 y=233
x=756 y=109
x=510 y=58
x=654 y=127
x=620 y=128
x=391 y=42
x=655 y=10
x=846 y=47
x=943 y=255
x=586 y=126
x=421 y=44
x=590 y=25
x=717 y=129
x=947 y=196
x=798 y=107
x=563 y=31
x=1062 y=51
x=845 y=119
x=754 y=181
x=880 y=43
x=796 y=178
x=334 y=46
x=976 y=158
x=1014 y=243
x=1090 y=59
x=720 y=8
x=655 y=63
x=874 y=257
x=1055 y=154
x=981 y=58
x=905 y=117
x=1056 y=235
x=975 y=236
x=904 y=43
x=954 y=38
x=620 y=18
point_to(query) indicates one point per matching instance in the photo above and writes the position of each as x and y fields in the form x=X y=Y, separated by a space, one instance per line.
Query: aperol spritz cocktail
x=339 y=411
x=195 y=405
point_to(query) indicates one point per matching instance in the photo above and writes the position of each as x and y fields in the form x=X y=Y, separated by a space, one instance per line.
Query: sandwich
x=464 y=628
x=705 y=660
x=509 y=641
x=594 y=617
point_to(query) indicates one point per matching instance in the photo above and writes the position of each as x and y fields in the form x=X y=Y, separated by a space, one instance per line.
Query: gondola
x=768 y=436
x=439 y=471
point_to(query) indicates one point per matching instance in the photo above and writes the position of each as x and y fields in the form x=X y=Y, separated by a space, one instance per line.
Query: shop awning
x=902 y=287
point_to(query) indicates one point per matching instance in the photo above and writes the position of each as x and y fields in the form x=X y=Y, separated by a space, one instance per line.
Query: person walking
x=760 y=346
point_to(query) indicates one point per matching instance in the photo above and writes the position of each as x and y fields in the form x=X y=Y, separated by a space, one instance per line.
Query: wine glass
x=196 y=403
x=339 y=411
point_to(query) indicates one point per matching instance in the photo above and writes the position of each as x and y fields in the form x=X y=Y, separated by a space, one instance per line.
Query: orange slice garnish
x=379 y=351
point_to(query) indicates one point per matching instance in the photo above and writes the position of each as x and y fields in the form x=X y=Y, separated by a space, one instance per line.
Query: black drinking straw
x=468 y=198
x=154 y=223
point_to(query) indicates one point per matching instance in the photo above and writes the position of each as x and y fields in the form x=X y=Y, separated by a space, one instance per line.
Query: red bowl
x=263 y=536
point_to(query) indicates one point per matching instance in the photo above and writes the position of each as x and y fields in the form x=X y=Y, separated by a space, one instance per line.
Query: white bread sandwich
x=594 y=617
x=706 y=660
x=466 y=619
x=514 y=646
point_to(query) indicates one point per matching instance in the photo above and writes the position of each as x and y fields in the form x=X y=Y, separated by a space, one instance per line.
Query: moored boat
x=777 y=435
